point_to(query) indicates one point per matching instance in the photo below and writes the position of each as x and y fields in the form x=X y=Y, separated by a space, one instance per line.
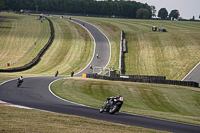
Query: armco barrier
x=37 y=58
x=140 y=76
x=144 y=79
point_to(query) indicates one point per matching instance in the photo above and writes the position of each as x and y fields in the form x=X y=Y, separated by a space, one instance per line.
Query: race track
x=35 y=93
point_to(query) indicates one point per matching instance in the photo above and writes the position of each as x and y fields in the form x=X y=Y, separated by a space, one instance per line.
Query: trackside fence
x=143 y=79
x=39 y=55
x=123 y=49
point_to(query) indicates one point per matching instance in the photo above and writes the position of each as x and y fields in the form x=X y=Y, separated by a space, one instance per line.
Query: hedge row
x=37 y=58
x=144 y=79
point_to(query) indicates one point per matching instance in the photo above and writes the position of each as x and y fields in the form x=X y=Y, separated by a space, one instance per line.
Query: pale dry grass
x=72 y=49
x=16 y=120
x=19 y=34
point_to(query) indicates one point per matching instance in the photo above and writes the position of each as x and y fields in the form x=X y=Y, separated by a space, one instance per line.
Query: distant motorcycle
x=112 y=105
x=56 y=74
x=19 y=82
x=72 y=73
x=97 y=55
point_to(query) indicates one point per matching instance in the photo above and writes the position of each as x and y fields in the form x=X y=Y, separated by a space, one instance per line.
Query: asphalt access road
x=34 y=93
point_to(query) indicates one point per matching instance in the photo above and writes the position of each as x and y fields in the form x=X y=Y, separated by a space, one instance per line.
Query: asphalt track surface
x=35 y=93
x=193 y=75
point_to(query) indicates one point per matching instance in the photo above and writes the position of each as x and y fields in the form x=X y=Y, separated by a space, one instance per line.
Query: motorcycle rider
x=90 y=66
x=109 y=100
x=56 y=73
x=97 y=55
x=72 y=73
x=20 y=79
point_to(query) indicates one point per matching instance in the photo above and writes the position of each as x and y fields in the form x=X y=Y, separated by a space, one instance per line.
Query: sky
x=187 y=8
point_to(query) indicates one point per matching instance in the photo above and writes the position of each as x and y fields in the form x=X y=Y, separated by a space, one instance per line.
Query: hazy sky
x=187 y=8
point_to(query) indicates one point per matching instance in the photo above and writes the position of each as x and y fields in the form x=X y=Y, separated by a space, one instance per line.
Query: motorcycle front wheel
x=101 y=109
x=113 y=109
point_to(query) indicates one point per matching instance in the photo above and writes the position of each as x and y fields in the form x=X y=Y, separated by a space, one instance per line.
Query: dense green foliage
x=142 y=13
x=1 y=4
x=117 y=8
x=163 y=13
x=174 y=14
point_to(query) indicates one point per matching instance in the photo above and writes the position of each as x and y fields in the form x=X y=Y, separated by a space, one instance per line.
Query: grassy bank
x=175 y=103
x=72 y=49
x=172 y=54
x=18 y=34
x=23 y=120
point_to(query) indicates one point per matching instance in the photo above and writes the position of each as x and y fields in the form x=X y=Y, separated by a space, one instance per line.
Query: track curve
x=35 y=93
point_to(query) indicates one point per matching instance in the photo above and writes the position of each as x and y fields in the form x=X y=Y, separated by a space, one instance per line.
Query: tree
x=1 y=4
x=163 y=13
x=174 y=14
x=142 y=13
x=193 y=18
x=118 y=7
x=153 y=10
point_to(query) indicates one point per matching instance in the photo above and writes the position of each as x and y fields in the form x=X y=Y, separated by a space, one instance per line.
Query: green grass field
x=172 y=54
x=18 y=34
x=169 y=102
x=72 y=49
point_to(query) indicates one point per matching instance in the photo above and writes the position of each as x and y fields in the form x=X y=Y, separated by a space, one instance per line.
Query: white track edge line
x=190 y=72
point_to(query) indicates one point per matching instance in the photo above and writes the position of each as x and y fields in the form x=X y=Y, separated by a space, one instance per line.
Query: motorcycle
x=97 y=55
x=56 y=74
x=72 y=73
x=19 y=83
x=90 y=66
x=112 y=105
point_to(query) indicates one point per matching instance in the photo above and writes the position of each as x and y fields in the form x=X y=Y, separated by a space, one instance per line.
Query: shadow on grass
x=6 y=27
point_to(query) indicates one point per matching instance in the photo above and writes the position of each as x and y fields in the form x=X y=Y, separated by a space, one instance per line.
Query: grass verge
x=23 y=120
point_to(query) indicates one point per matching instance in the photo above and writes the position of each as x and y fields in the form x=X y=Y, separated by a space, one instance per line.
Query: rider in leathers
x=20 y=79
x=109 y=99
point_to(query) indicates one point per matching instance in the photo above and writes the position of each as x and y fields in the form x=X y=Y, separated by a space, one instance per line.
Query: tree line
x=163 y=14
x=127 y=9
